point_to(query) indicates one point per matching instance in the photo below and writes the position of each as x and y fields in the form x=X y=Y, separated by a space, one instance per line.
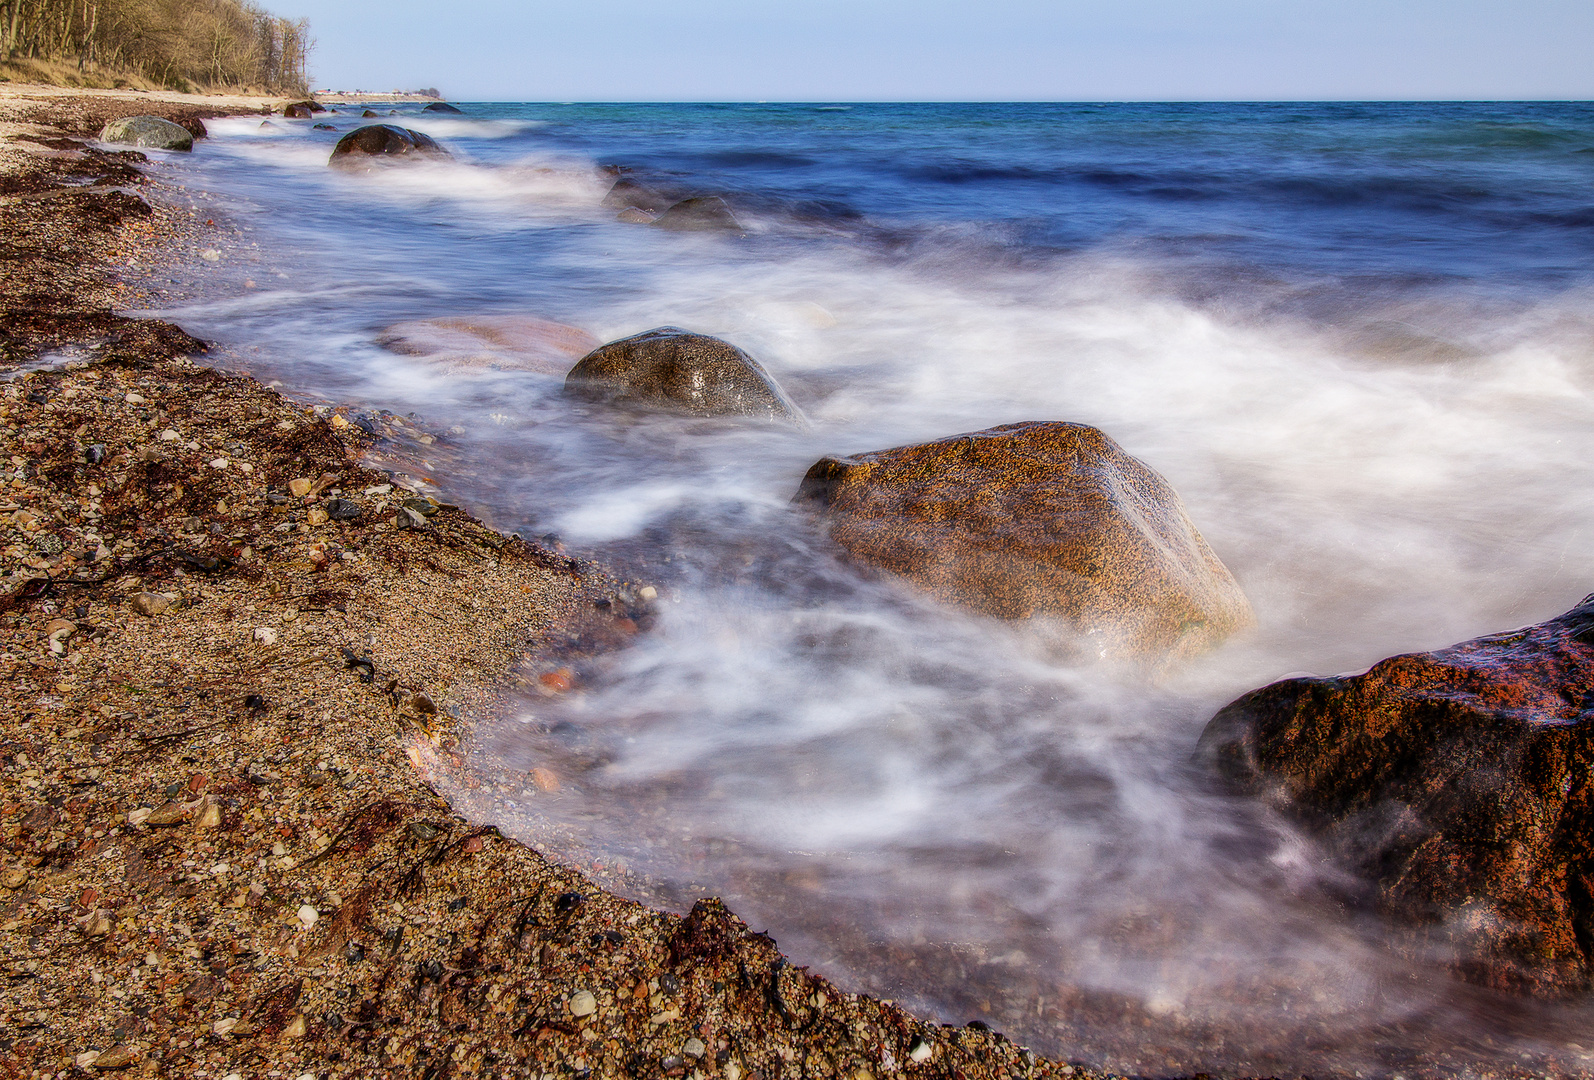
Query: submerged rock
x=679 y=371
x=1460 y=783
x=702 y=213
x=150 y=131
x=369 y=113
x=443 y=107
x=378 y=142
x=482 y=343
x=627 y=192
x=1038 y=520
x=302 y=109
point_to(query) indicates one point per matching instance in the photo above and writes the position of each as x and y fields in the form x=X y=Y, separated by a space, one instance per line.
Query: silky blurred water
x=1355 y=338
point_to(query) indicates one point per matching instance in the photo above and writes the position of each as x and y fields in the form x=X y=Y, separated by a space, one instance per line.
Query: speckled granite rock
x=680 y=371
x=1036 y=520
x=149 y=131
x=1458 y=782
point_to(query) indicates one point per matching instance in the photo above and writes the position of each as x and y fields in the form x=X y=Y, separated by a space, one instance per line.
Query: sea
x=1357 y=339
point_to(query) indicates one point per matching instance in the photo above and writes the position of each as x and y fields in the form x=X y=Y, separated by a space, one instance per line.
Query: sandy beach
x=233 y=653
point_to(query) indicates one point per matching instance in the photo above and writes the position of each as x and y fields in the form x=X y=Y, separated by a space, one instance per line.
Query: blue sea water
x=1357 y=338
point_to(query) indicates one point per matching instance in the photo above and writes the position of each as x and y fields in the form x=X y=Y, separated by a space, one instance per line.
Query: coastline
x=219 y=849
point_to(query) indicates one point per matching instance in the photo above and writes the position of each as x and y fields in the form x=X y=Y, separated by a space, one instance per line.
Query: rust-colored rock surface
x=1037 y=520
x=1458 y=782
x=679 y=371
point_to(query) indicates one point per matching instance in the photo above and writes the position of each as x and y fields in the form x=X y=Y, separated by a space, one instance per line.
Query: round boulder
x=442 y=107
x=149 y=131
x=1039 y=520
x=378 y=142
x=678 y=371
x=1458 y=783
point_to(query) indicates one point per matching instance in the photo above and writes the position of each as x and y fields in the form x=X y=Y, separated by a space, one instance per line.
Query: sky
x=943 y=50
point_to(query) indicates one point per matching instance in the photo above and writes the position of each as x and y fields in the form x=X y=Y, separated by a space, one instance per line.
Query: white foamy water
x=914 y=800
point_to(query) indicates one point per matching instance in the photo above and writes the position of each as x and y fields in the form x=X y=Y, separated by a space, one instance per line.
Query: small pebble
x=150 y=603
x=136 y=399
x=169 y=435
x=300 y=486
x=545 y=780
x=265 y=635
x=582 y=1003
x=920 y=1051
x=317 y=516
x=308 y=915
x=648 y=592
x=219 y=463
x=14 y=878
x=694 y=1048
x=295 y=1028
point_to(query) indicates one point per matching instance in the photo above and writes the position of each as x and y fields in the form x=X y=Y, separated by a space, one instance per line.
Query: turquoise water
x=1355 y=338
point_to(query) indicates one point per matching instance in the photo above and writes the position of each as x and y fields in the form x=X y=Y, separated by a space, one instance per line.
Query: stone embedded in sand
x=702 y=213
x=679 y=371
x=582 y=1003
x=148 y=131
x=1459 y=782
x=484 y=343
x=383 y=142
x=150 y=603
x=1036 y=520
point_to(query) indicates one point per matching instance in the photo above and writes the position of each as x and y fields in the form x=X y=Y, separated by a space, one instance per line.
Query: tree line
x=182 y=44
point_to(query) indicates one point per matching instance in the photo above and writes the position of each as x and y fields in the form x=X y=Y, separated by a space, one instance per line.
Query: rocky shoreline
x=228 y=646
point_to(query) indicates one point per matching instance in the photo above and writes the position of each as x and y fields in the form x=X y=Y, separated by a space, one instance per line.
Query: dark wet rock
x=1459 y=783
x=633 y=215
x=1043 y=520
x=702 y=213
x=370 y=113
x=679 y=371
x=150 y=131
x=442 y=107
x=325 y=127
x=383 y=141
x=194 y=126
x=302 y=110
x=342 y=509
x=628 y=192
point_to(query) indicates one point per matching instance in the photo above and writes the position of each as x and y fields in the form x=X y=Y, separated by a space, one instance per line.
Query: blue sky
x=830 y=50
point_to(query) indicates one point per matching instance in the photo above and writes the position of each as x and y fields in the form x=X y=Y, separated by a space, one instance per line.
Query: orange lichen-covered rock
x=1460 y=783
x=1044 y=520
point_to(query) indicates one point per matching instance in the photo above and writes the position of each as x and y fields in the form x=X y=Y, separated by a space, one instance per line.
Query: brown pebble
x=150 y=603
x=119 y=1056
x=544 y=779
x=167 y=813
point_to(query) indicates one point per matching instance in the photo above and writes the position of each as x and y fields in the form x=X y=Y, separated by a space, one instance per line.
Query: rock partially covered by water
x=679 y=371
x=702 y=213
x=1042 y=520
x=302 y=110
x=379 y=142
x=441 y=106
x=150 y=131
x=485 y=343
x=1460 y=783
x=627 y=192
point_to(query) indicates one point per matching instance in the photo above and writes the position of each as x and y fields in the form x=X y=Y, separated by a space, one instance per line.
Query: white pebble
x=582 y=1003
x=220 y=463
x=308 y=915
x=648 y=592
x=136 y=399
x=265 y=635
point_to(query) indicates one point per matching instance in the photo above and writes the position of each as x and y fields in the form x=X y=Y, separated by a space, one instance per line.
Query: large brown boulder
x=1459 y=783
x=1043 y=520
x=678 y=371
x=383 y=142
